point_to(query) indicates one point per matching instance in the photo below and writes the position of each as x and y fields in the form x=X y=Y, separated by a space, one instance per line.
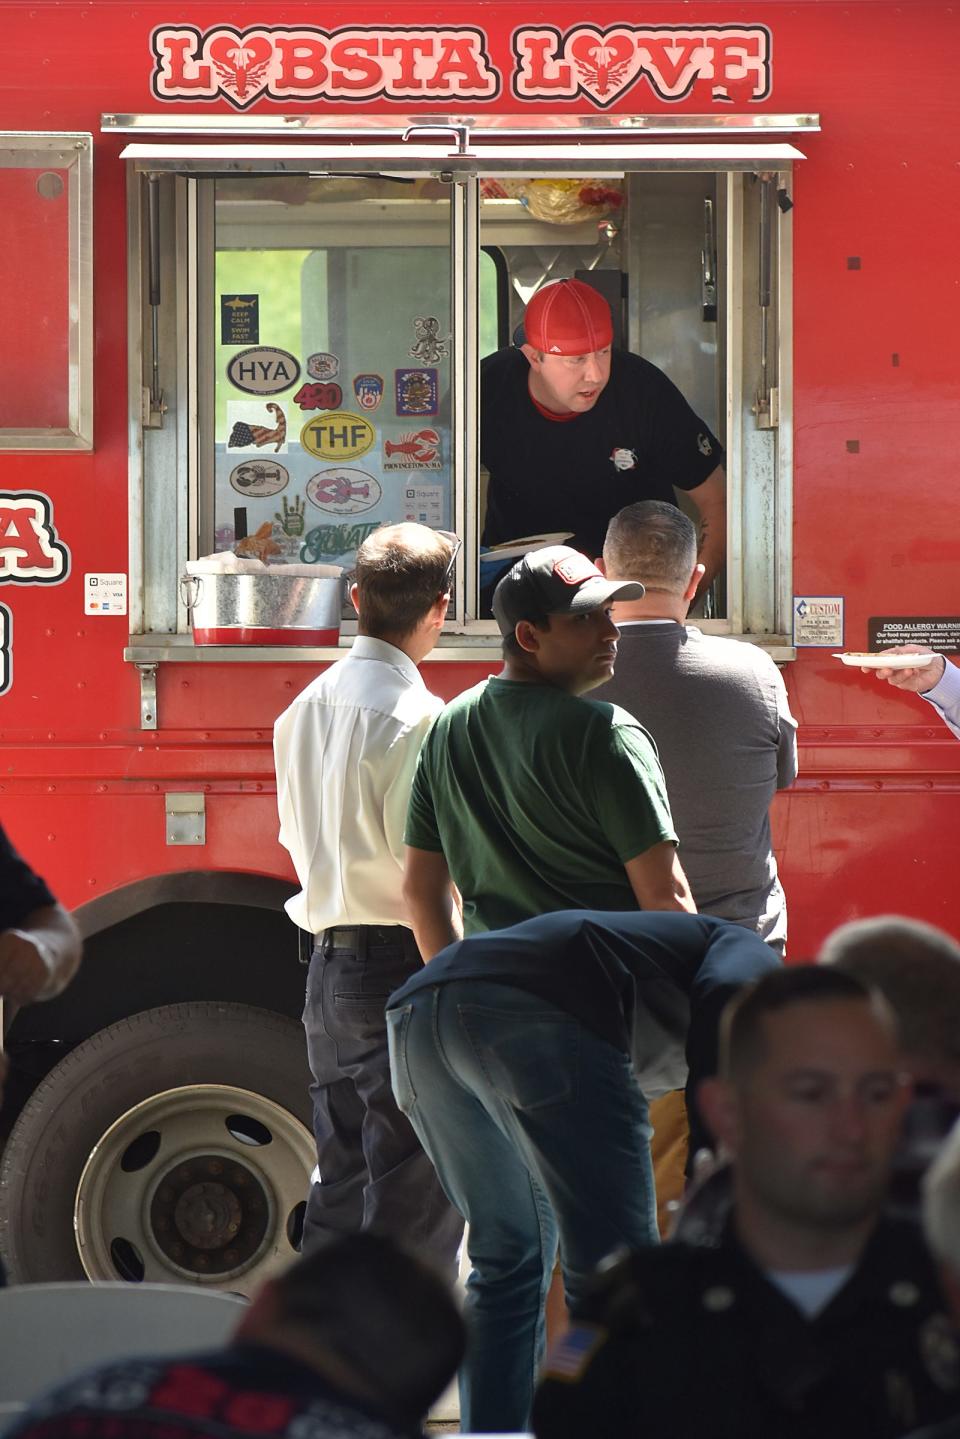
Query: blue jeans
x=538 y=1131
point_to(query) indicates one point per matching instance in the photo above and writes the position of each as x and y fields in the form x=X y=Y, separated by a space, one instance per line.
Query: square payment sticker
x=105 y=594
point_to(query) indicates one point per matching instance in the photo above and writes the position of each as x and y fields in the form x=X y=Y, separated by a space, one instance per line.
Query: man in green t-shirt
x=531 y=798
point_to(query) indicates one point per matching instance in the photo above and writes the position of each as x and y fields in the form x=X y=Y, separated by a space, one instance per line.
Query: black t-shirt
x=21 y=891
x=640 y=440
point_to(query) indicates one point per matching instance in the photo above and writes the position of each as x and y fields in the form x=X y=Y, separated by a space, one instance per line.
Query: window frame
x=759 y=524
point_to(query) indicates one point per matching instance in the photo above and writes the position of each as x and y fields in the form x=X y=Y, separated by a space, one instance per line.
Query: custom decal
x=30 y=552
x=307 y=63
x=417 y=392
x=417 y=451
x=623 y=459
x=6 y=649
x=259 y=478
x=368 y=390
x=344 y=492
x=239 y=319
x=428 y=346
x=328 y=542
x=318 y=396
x=243 y=434
x=292 y=520
x=263 y=371
x=323 y=366
x=340 y=435
x=724 y=63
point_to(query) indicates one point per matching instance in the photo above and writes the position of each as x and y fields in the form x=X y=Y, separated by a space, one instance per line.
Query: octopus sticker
x=344 y=492
x=429 y=345
x=258 y=478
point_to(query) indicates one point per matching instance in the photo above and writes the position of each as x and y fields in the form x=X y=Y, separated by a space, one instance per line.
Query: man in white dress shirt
x=345 y=753
x=935 y=681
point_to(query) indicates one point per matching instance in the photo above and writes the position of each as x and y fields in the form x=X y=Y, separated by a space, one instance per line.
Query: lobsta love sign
x=721 y=63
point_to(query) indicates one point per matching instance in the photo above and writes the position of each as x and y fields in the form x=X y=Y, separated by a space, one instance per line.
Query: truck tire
x=174 y=1146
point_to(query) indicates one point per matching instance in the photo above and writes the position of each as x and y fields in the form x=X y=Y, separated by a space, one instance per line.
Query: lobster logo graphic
x=241 y=65
x=604 y=63
x=422 y=447
x=344 y=492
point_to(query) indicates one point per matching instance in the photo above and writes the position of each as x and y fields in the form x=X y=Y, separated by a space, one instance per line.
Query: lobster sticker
x=418 y=450
x=259 y=478
x=344 y=492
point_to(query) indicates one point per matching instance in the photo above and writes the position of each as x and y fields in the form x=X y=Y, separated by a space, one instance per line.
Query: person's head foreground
x=402 y=584
x=655 y=543
x=808 y=1104
x=569 y=333
x=917 y=969
x=553 y=610
x=370 y=1317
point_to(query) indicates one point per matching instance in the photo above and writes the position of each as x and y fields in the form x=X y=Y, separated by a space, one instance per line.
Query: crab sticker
x=368 y=390
x=417 y=392
x=323 y=366
x=259 y=478
x=30 y=552
x=344 y=492
x=419 y=450
x=428 y=345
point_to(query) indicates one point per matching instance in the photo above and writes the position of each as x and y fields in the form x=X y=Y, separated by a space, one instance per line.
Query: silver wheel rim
x=198 y=1185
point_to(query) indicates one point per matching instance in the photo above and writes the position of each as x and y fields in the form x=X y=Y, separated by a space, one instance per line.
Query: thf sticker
x=30 y=552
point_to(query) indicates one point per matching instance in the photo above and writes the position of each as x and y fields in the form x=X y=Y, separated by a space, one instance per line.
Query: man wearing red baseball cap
x=572 y=430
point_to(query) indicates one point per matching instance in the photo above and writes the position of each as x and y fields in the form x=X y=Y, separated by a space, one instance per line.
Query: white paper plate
x=885 y=661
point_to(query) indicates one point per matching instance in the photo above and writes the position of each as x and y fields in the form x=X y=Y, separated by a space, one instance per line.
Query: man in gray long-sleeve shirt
x=717 y=710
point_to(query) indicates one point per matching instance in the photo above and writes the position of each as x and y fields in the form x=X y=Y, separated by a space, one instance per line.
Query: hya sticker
x=263 y=370
x=30 y=552
x=417 y=392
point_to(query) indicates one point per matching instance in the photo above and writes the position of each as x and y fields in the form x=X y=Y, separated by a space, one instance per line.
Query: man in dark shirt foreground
x=355 y=1341
x=511 y=1055
x=812 y=1315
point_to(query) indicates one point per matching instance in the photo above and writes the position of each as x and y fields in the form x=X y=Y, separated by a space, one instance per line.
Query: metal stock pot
x=271 y=608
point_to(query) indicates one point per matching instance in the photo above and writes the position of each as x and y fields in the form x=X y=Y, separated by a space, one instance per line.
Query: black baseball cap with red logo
x=555 y=581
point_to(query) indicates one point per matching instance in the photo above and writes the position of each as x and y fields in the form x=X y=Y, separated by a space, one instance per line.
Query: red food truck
x=252 y=256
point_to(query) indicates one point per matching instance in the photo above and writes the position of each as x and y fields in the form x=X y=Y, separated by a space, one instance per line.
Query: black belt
x=361 y=937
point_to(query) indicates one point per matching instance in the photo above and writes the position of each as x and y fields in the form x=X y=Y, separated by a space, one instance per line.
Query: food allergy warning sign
x=818 y=621
x=935 y=632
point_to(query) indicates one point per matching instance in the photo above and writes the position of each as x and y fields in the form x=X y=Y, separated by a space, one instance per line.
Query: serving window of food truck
x=308 y=319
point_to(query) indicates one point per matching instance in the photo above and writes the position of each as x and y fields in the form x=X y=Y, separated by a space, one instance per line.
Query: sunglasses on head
x=457 y=543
